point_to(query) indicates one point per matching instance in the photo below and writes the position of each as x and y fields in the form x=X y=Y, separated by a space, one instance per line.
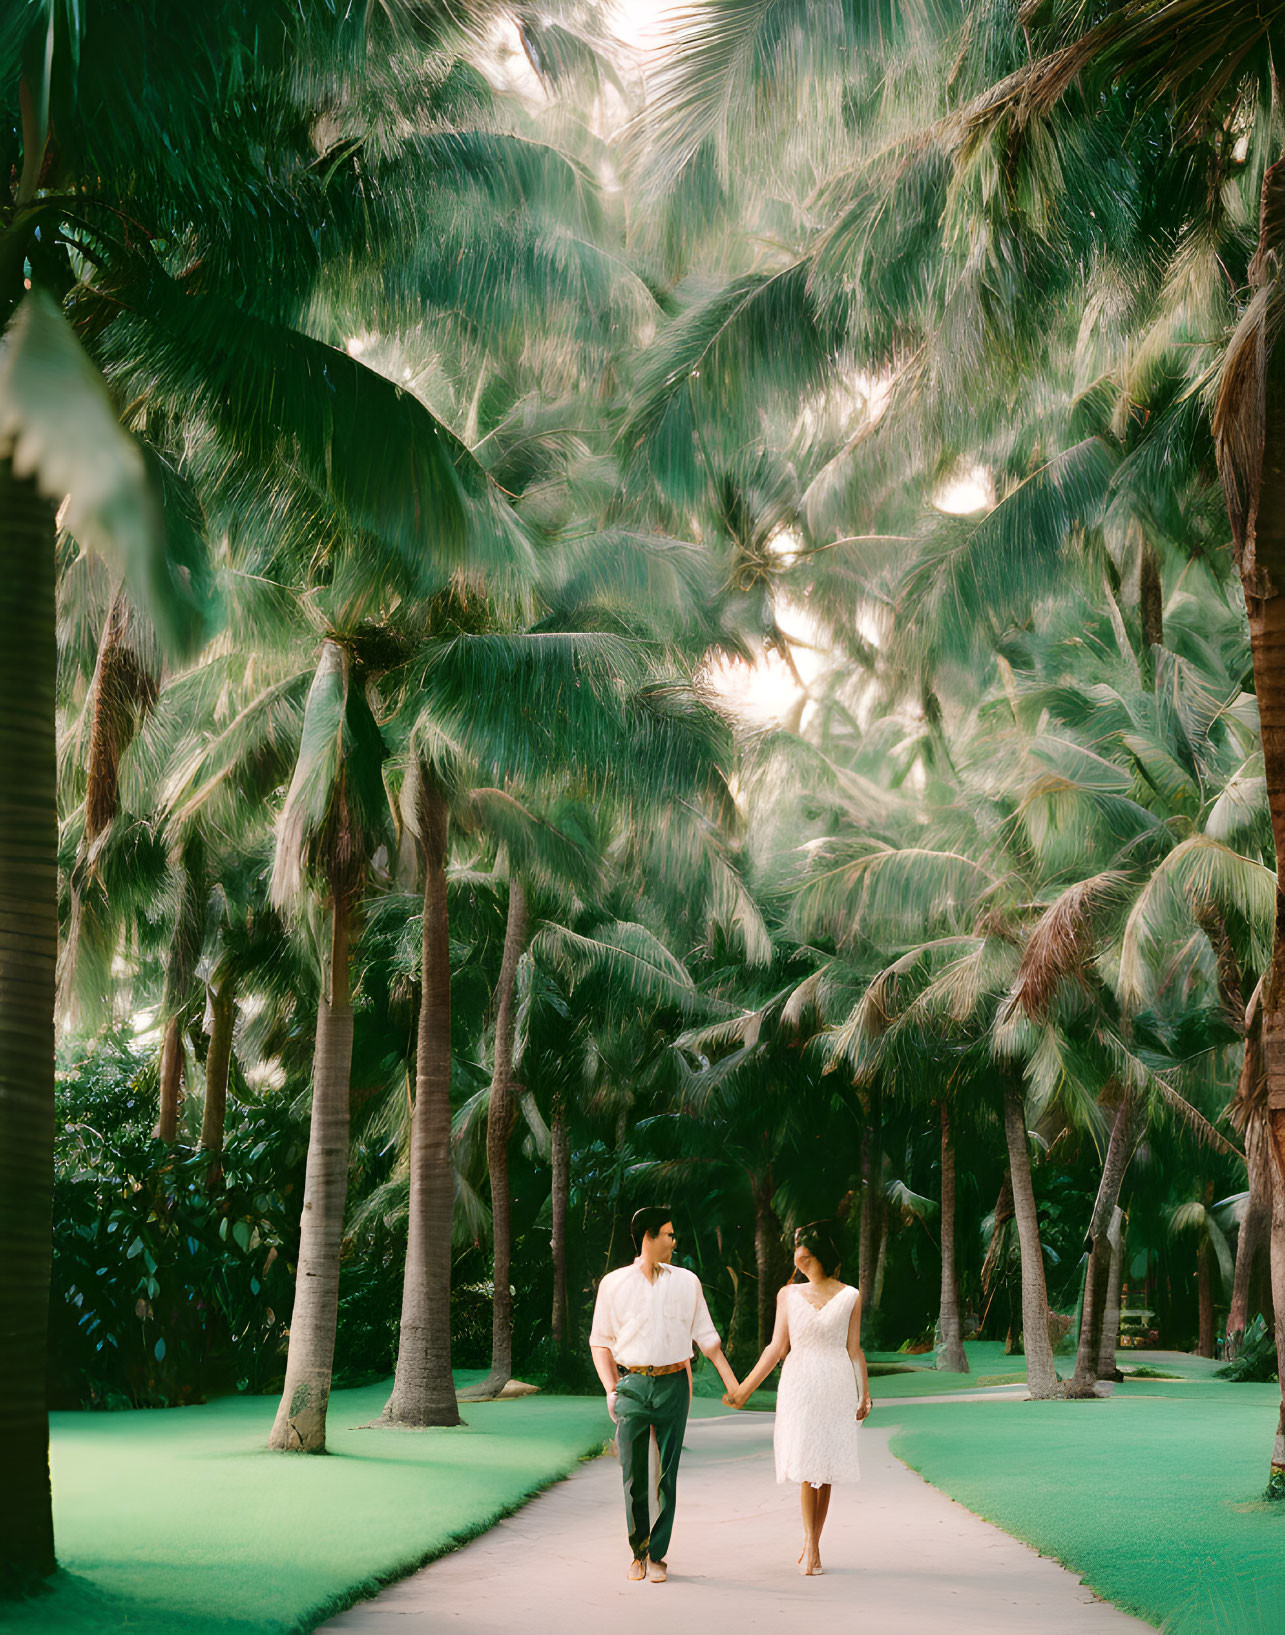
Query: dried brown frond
x=124 y=690
x=1062 y=944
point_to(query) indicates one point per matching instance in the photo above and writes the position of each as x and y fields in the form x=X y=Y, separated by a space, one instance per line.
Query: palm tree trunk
x=881 y=1259
x=951 y=1356
x=1205 y=1301
x=171 y=1081
x=1151 y=600
x=218 y=1061
x=1041 y=1375
x=1249 y=435
x=1255 y=1229
x=499 y=1128
x=176 y=999
x=1107 y=1369
x=300 y=1425
x=28 y=963
x=871 y=1173
x=423 y=1389
x=1276 y=1478
x=767 y=1251
x=1093 y=1308
x=560 y=1203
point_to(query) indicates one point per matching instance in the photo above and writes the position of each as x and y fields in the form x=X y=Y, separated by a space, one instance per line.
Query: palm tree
x=336 y=814
x=423 y=1389
x=951 y=1356
x=60 y=436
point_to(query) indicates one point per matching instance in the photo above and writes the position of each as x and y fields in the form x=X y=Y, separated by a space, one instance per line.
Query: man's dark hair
x=824 y=1239
x=648 y=1222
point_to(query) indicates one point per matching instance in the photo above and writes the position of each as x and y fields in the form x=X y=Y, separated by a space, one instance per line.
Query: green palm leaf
x=624 y=954
x=58 y=425
x=1199 y=869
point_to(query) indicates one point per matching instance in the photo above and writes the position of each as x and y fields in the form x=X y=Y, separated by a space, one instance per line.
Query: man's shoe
x=657 y=1572
x=637 y=1570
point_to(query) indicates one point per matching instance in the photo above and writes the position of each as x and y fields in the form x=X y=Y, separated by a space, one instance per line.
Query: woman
x=823 y=1396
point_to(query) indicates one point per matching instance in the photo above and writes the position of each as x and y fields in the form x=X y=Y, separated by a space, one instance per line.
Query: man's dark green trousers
x=647 y=1402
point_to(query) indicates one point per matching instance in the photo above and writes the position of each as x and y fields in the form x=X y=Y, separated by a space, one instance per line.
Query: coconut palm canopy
x=594 y=613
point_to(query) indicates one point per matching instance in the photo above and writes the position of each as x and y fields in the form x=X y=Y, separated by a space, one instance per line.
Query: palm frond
x=336 y=810
x=625 y=954
x=877 y=890
x=58 y=425
x=1061 y=946
x=1199 y=869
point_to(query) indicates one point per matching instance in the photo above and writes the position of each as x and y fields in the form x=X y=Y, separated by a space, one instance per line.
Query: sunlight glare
x=966 y=492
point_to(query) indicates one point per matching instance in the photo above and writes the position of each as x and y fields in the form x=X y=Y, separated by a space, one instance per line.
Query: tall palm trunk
x=1204 y=1301
x=1249 y=434
x=560 y=1205
x=1097 y=1277
x=171 y=1081
x=1107 y=1369
x=881 y=1260
x=218 y=1061
x=1255 y=1229
x=951 y=1356
x=1276 y=1480
x=300 y=1425
x=28 y=962
x=871 y=1174
x=1041 y=1375
x=767 y=1254
x=176 y=999
x=499 y=1128
x=423 y=1390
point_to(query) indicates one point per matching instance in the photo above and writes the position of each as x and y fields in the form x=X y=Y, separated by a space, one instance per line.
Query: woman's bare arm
x=774 y=1352
x=859 y=1357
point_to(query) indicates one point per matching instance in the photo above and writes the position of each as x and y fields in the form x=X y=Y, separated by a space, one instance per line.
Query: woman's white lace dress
x=816 y=1404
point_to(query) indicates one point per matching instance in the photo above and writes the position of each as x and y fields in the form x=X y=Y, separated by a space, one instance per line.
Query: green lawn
x=180 y=1522
x=1153 y=1497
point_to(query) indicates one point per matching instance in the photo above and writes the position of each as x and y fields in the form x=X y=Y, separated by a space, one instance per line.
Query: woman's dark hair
x=648 y=1222
x=824 y=1239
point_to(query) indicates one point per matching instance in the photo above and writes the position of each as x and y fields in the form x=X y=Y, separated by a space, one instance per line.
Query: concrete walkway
x=898 y=1555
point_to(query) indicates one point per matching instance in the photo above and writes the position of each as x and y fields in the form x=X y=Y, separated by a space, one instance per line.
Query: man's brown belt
x=664 y=1368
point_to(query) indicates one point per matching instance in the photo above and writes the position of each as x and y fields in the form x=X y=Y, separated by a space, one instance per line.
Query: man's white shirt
x=645 y=1324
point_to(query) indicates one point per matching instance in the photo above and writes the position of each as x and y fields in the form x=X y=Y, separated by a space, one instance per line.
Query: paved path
x=899 y=1556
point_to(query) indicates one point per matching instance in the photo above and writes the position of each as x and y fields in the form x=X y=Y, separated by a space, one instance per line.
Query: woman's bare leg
x=823 y=1509
x=808 y=1500
x=808 y=1504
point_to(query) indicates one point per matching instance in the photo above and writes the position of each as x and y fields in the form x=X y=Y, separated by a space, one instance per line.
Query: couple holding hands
x=645 y=1321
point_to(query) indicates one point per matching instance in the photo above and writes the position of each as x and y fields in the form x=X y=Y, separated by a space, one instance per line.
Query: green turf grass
x=1153 y=1497
x=180 y=1522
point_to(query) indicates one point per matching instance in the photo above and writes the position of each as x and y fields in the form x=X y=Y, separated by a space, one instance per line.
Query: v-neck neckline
x=812 y=1304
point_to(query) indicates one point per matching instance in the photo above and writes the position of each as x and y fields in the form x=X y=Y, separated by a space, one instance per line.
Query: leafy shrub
x=1256 y=1363
x=166 y=1287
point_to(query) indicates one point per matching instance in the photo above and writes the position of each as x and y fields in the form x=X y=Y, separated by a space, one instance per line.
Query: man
x=644 y=1322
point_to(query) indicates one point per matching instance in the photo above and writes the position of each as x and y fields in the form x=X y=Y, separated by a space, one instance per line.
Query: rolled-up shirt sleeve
x=603 y=1331
x=703 y=1331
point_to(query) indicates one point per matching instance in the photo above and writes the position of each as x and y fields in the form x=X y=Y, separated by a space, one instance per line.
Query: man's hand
x=737 y=1398
x=720 y=1362
x=611 y=1407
